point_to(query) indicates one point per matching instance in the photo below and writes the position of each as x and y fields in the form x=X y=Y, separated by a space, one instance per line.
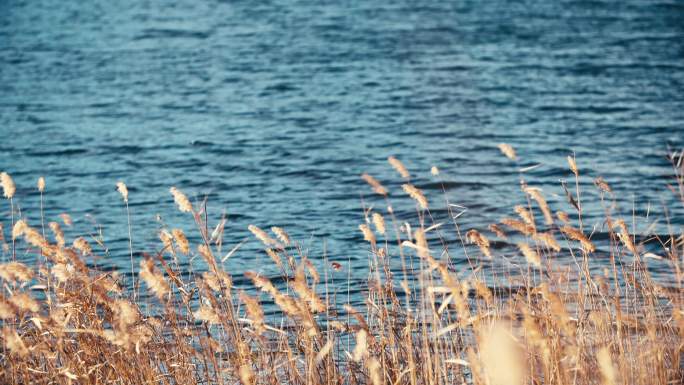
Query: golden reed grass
x=516 y=313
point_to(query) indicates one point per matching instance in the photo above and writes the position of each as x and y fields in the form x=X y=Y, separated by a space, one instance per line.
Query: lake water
x=273 y=109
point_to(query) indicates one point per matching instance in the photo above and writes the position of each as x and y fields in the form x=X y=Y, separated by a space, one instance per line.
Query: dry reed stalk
x=41 y=188
x=123 y=190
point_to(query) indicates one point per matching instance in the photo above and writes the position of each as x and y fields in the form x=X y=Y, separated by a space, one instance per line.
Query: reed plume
x=508 y=151
x=123 y=190
x=577 y=235
x=379 y=223
x=263 y=236
x=377 y=187
x=181 y=200
x=401 y=169
x=8 y=187
x=573 y=165
x=416 y=194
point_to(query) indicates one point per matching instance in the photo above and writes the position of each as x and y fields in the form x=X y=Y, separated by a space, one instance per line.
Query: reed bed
x=427 y=322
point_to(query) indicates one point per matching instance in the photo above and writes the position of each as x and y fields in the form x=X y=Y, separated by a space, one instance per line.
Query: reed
x=519 y=312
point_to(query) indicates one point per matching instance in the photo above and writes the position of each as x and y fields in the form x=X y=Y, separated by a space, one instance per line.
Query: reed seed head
x=416 y=194
x=500 y=357
x=207 y=314
x=573 y=165
x=536 y=194
x=361 y=348
x=66 y=218
x=181 y=200
x=8 y=186
x=508 y=151
x=401 y=169
x=530 y=254
x=480 y=240
x=154 y=280
x=13 y=342
x=15 y=272
x=181 y=241
x=282 y=235
x=606 y=365
x=123 y=190
x=263 y=236
x=498 y=231
x=19 y=228
x=83 y=246
x=377 y=187
x=58 y=233
x=367 y=233
x=577 y=235
x=379 y=223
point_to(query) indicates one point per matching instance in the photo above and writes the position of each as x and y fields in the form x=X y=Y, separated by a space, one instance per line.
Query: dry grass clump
x=540 y=321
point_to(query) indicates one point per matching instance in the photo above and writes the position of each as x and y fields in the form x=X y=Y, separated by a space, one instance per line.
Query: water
x=274 y=109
